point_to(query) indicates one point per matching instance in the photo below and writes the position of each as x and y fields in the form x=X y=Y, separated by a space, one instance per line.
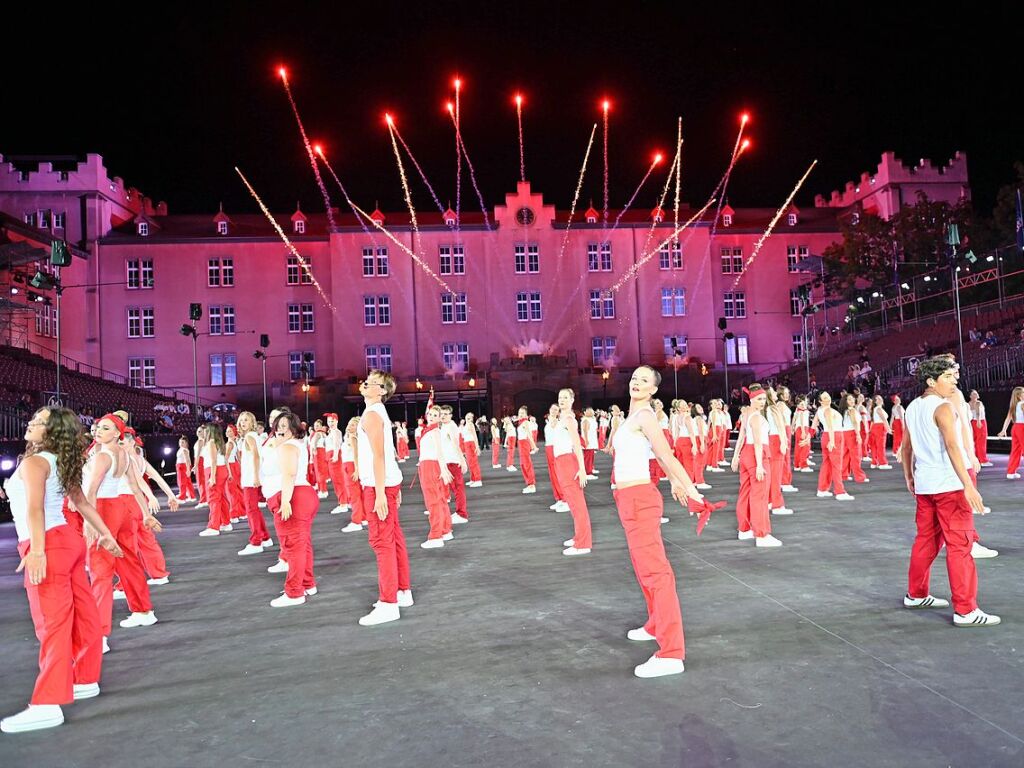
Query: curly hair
x=65 y=439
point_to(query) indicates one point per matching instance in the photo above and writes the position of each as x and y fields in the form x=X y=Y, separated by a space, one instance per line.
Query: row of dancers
x=69 y=566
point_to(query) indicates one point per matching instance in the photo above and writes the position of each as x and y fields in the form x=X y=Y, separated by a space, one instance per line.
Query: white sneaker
x=562 y=507
x=106 y=645
x=279 y=567
x=312 y=592
x=664 y=520
x=227 y=528
x=612 y=486
x=1014 y=476
x=260 y=504
x=458 y=519
x=511 y=469
x=805 y=469
x=137 y=619
x=824 y=494
x=322 y=495
x=924 y=602
x=267 y=543
x=337 y=510
x=884 y=466
x=568 y=543
x=476 y=484
x=597 y=471
x=120 y=595
x=158 y=582
x=381 y=614
x=976 y=618
x=591 y=477
x=283 y=601
x=659 y=667
x=767 y=541
x=495 y=466
x=202 y=504
x=979 y=552
x=790 y=489
x=34 y=718
x=811 y=463
x=572 y=551
x=987 y=464
x=744 y=535
x=426 y=511
x=432 y=544
x=405 y=598
x=352 y=528
x=209 y=532
x=85 y=690
x=844 y=497
x=702 y=486
x=251 y=549
x=865 y=458
x=782 y=511
x=447 y=537
x=639 y=634
x=866 y=480
x=555 y=505
x=530 y=489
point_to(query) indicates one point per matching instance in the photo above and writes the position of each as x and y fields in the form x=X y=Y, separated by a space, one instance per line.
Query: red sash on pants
x=434 y=498
x=549 y=453
x=945 y=518
x=101 y=565
x=296 y=539
x=979 y=430
x=220 y=514
x=526 y=463
x=775 y=499
x=257 y=527
x=752 y=505
x=831 y=472
x=640 y=509
x=353 y=492
x=336 y=471
x=66 y=621
x=186 y=491
x=388 y=544
x=150 y=553
x=566 y=467
x=201 y=478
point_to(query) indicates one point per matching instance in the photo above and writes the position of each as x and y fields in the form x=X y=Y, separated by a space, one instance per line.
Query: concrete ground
x=516 y=656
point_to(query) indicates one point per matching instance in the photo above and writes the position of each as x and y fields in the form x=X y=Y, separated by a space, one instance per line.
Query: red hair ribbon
x=117 y=421
x=330 y=415
x=892 y=398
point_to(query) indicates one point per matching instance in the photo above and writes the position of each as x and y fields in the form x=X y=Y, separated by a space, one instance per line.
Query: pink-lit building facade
x=521 y=283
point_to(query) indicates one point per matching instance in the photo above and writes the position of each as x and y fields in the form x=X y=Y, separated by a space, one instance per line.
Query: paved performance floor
x=516 y=656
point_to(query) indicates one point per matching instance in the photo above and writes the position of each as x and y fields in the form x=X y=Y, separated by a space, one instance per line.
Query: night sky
x=174 y=101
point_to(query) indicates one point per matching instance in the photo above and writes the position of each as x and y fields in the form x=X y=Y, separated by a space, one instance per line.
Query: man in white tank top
x=381 y=478
x=934 y=469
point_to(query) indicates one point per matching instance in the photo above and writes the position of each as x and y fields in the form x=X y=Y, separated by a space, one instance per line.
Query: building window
x=228 y=313
x=213 y=315
x=447 y=308
x=223 y=369
x=134 y=322
x=445 y=260
x=798 y=346
x=222 y=320
x=299 y=273
x=736 y=350
x=382 y=262
x=603 y=348
x=44 y=219
x=455 y=356
x=794 y=302
x=138 y=273
x=732 y=260
x=791 y=258
x=307 y=318
x=791 y=219
x=599 y=257
x=142 y=372
x=46 y=321
x=535 y=308
x=595 y=305
x=58 y=220
x=673 y=343
x=375 y=262
x=452 y=260
x=227 y=272
x=602 y=305
x=147 y=273
x=377 y=310
x=30 y=218
x=735 y=304
x=301 y=365
x=148 y=323
x=300 y=227
x=143 y=229
x=527 y=259
x=369 y=310
x=461 y=312
x=222 y=227
x=213 y=273
x=368 y=263
x=383 y=310
x=673 y=302
x=726 y=219
x=216 y=370
x=670 y=256
x=294 y=318
x=528 y=306
x=459 y=259
x=379 y=358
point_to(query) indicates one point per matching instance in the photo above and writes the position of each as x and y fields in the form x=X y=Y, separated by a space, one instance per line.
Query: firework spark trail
x=404 y=247
x=664 y=194
x=605 y=141
x=575 y=198
x=723 y=183
x=636 y=192
x=419 y=170
x=679 y=167
x=405 y=184
x=288 y=243
x=457 y=116
x=774 y=221
x=472 y=176
x=522 y=154
x=344 y=192
x=309 y=148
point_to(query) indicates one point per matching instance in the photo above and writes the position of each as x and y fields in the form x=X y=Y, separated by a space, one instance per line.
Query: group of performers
x=85 y=514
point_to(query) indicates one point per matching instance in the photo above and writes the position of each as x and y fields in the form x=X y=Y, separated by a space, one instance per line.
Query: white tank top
x=773 y=428
x=210 y=450
x=110 y=485
x=348 y=453
x=933 y=471
x=53 y=499
x=878 y=415
x=468 y=433
x=848 y=422
x=449 y=443
x=590 y=434
x=680 y=423
x=800 y=418
x=561 y=442
x=663 y=421
x=429 y=445
x=124 y=488
x=897 y=412
x=964 y=418
x=523 y=431
x=392 y=472
x=182 y=456
x=981 y=412
x=1018 y=414
x=549 y=437
x=270 y=467
x=247 y=457
x=632 y=452
x=750 y=431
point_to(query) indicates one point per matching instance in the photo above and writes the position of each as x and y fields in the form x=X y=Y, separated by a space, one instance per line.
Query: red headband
x=138 y=442
x=893 y=398
x=332 y=415
x=118 y=422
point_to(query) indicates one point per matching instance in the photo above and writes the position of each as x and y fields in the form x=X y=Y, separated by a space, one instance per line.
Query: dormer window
x=449 y=221
x=300 y=227
x=726 y=219
x=591 y=219
x=143 y=229
x=791 y=219
x=222 y=227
